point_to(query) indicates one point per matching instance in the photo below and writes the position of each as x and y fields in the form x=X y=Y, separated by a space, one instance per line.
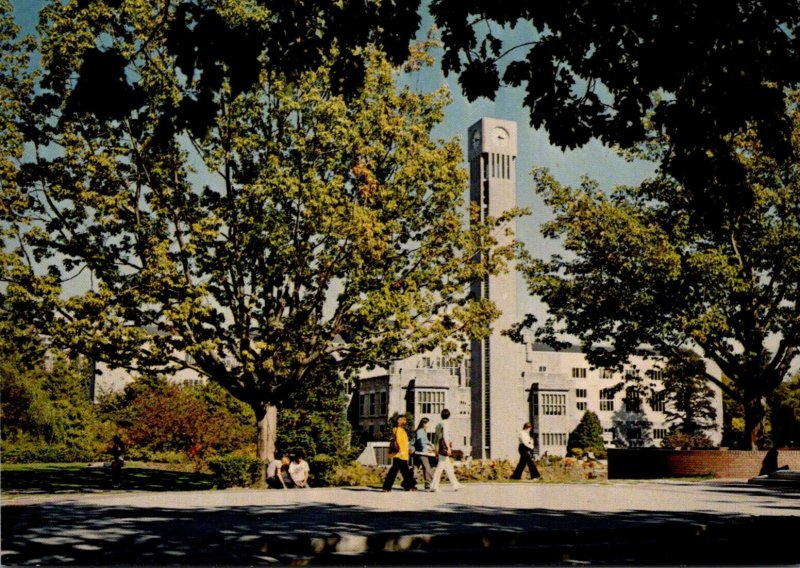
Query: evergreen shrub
x=235 y=470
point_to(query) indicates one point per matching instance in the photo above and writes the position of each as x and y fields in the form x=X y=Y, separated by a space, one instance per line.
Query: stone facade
x=507 y=384
x=423 y=385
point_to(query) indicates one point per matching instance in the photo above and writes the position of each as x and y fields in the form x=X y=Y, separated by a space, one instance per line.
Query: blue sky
x=534 y=149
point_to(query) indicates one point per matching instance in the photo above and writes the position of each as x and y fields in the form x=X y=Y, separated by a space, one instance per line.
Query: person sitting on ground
x=278 y=474
x=298 y=471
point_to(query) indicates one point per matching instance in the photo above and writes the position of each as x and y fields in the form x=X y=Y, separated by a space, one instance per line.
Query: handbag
x=444 y=450
x=394 y=445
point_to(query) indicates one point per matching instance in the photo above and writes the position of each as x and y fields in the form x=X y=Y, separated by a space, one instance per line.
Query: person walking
x=117 y=460
x=444 y=447
x=526 y=447
x=425 y=452
x=399 y=459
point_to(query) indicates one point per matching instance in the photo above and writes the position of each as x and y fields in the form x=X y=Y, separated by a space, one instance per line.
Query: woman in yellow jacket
x=400 y=460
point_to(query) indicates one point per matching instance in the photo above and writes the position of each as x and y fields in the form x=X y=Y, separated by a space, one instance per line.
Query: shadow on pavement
x=93 y=479
x=82 y=534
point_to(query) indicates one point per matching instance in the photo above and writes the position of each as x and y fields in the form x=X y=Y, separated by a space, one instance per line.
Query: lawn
x=43 y=478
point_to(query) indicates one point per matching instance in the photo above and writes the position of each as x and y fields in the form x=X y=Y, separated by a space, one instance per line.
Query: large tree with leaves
x=646 y=267
x=290 y=229
x=700 y=71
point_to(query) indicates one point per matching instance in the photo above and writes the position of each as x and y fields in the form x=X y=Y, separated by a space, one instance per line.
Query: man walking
x=444 y=445
x=526 y=448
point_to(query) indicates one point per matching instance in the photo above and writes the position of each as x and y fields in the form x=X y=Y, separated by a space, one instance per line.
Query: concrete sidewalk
x=525 y=523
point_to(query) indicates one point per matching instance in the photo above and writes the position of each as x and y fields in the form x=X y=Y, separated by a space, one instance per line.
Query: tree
x=297 y=230
x=45 y=410
x=784 y=414
x=587 y=435
x=646 y=271
x=215 y=44
x=602 y=70
x=314 y=419
x=689 y=407
x=159 y=416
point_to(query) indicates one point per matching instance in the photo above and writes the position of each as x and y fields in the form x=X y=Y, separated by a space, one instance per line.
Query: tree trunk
x=267 y=421
x=754 y=413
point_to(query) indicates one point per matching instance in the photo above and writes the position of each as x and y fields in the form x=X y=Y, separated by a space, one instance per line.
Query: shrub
x=587 y=436
x=484 y=470
x=681 y=441
x=322 y=469
x=39 y=452
x=165 y=419
x=148 y=455
x=355 y=474
x=235 y=470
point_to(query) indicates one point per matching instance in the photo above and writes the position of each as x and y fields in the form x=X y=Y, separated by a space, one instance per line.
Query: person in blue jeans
x=424 y=452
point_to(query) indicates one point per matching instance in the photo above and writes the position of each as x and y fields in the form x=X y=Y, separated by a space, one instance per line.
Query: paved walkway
x=527 y=523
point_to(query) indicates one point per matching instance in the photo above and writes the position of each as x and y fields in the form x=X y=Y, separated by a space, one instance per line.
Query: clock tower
x=497 y=411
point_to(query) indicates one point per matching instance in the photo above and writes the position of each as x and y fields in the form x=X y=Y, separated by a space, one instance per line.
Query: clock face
x=476 y=140
x=500 y=138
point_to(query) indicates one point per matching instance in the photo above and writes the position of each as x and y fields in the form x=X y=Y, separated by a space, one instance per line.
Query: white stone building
x=504 y=384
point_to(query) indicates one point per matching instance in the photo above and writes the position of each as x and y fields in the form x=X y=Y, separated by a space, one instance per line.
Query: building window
x=578 y=372
x=554 y=439
x=542 y=369
x=658 y=402
x=606 y=374
x=429 y=402
x=554 y=404
x=659 y=433
x=582 y=405
x=607 y=399
x=580 y=393
x=373 y=404
x=655 y=374
x=632 y=401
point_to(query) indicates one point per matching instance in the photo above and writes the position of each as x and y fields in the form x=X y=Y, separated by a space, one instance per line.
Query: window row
x=429 y=401
x=373 y=404
x=553 y=439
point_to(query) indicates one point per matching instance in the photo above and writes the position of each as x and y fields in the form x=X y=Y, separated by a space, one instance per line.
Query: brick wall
x=728 y=464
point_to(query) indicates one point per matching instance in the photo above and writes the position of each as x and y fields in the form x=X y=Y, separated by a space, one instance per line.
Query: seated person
x=298 y=471
x=278 y=474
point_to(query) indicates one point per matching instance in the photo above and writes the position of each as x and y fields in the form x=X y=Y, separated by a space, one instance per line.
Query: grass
x=49 y=478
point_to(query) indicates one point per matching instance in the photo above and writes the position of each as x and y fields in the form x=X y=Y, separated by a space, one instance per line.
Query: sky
x=534 y=149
